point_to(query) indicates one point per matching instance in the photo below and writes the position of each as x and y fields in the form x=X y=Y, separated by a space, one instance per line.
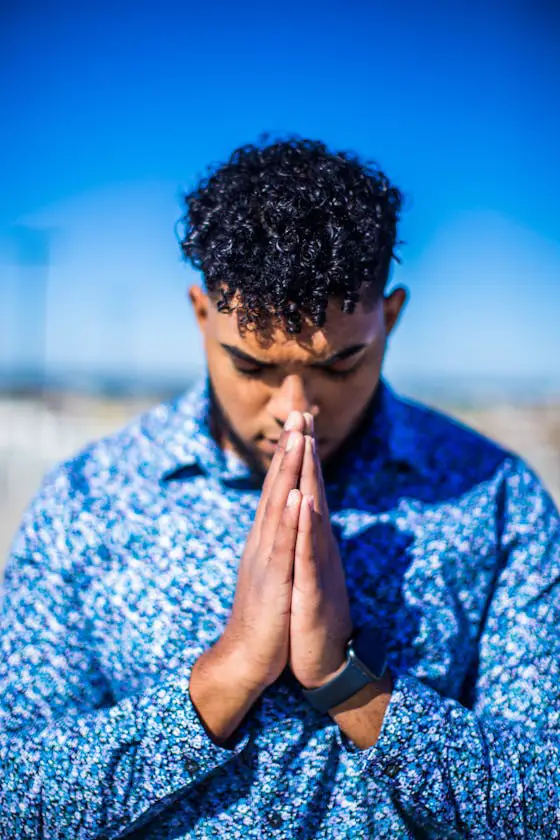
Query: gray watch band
x=365 y=662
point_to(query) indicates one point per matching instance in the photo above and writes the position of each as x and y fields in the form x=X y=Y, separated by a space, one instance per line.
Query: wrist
x=319 y=682
x=220 y=697
x=234 y=665
x=361 y=717
x=366 y=662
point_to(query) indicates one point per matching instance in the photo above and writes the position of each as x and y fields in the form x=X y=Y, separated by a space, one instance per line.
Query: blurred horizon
x=455 y=103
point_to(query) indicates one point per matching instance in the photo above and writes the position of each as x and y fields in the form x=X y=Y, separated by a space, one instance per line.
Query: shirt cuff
x=413 y=728
x=179 y=751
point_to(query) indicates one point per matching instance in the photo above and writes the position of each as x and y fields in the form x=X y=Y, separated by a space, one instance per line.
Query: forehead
x=341 y=330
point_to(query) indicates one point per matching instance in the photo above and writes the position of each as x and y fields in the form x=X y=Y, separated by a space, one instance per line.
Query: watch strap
x=353 y=677
x=338 y=690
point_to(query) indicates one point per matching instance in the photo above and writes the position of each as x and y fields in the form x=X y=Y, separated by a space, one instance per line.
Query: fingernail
x=291 y=441
x=292 y=498
x=310 y=422
x=292 y=421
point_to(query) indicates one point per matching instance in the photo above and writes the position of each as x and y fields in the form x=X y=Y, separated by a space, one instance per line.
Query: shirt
x=123 y=572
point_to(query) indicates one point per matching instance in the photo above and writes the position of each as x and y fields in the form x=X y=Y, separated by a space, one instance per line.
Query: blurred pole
x=32 y=247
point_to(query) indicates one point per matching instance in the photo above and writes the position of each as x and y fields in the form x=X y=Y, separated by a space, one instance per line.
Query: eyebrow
x=336 y=357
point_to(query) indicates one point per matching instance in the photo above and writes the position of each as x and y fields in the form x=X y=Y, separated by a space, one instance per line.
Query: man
x=288 y=603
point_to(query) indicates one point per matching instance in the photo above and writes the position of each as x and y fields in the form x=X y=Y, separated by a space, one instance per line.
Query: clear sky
x=108 y=109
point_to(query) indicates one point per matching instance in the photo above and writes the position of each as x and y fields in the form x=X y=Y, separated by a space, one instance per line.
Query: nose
x=292 y=395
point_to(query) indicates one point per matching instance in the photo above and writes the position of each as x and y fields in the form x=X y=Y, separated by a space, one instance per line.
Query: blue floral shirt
x=124 y=569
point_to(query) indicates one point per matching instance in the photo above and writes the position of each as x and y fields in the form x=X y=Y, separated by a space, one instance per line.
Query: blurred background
x=110 y=110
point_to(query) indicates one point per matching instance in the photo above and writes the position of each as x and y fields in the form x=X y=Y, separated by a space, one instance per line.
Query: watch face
x=368 y=647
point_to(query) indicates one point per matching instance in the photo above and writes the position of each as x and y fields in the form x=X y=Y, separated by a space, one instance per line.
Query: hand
x=258 y=630
x=320 y=623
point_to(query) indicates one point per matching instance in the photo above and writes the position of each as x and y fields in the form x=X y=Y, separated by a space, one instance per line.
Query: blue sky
x=108 y=111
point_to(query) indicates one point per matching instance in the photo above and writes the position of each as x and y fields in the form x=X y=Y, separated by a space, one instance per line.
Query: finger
x=307 y=576
x=318 y=490
x=294 y=421
x=311 y=484
x=281 y=560
x=310 y=430
x=322 y=497
x=309 y=481
x=286 y=479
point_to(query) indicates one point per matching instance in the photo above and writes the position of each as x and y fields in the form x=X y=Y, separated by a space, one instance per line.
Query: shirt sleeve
x=493 y=770
x=72 y=762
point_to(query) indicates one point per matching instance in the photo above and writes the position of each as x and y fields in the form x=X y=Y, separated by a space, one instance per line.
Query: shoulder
x=443 y=445
x=452 y=451
x=131 y=453
x=75 y=493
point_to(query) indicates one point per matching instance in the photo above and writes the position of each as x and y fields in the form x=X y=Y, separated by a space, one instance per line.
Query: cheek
x=342 y=401
x=242 y=400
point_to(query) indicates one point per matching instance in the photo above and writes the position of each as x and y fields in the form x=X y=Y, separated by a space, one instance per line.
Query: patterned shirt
x=123 y=572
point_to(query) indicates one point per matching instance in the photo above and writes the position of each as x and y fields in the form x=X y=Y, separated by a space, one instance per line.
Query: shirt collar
x=395 y=425
x=183 y=442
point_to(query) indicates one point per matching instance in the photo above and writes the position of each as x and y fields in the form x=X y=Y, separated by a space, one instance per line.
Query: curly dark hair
x=283 y=227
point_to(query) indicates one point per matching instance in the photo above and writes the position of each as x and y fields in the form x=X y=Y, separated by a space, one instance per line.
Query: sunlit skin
x=257 y=383
x=320 y=616
x=320 y=381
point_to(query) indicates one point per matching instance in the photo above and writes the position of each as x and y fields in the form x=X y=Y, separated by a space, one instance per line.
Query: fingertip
x=293 y=421
x=293 y=498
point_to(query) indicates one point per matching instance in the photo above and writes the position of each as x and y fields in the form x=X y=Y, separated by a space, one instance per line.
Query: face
x=330 y=372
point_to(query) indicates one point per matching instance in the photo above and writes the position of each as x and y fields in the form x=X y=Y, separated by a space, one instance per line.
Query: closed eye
x=250 y=372
x=256 y=372
x=339 y=374
x=249 y=367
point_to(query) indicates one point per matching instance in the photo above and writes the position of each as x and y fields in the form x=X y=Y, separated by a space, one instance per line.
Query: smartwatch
x=366 y=661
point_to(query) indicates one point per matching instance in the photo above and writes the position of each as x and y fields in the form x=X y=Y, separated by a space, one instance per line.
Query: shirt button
x=275 y=819
x=392 y=769
x=191 y=765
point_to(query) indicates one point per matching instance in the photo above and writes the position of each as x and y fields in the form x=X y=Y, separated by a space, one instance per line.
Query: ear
x=200 y=304
x=393 y=305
